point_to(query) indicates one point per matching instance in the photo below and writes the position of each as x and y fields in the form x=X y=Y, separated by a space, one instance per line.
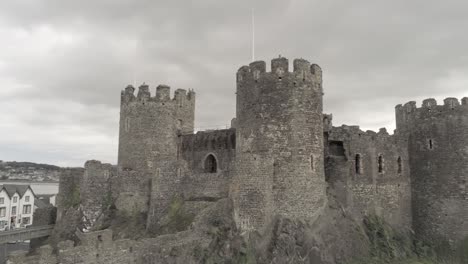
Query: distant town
x=28 y=171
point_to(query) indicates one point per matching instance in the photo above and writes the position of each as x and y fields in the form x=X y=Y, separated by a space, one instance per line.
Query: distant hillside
x=28 y=171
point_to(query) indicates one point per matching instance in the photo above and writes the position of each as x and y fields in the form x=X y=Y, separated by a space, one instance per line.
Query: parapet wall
x=407 y=113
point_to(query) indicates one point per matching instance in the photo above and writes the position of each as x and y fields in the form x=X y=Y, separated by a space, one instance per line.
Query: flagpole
x=253 y=34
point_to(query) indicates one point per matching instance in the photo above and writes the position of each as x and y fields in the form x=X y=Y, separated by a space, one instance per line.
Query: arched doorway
x=211 y=165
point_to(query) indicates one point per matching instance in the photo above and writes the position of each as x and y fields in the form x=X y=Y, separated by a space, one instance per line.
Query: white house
x=16 y=206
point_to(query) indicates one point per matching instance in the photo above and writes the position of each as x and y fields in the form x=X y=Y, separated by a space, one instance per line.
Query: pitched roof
x=11 y=189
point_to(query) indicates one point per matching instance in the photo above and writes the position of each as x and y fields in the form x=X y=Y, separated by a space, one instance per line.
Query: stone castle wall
x=69 y=189
x=279 y=119
x=202 y=184
x=352 y=165
x=282 y=157
x=150 y=128
x=438 y=149
x=96 y=191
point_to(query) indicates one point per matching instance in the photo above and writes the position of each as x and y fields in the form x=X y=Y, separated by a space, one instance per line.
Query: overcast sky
x=64 y=63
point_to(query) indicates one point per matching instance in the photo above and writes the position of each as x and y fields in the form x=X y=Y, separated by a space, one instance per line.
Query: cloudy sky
x=63 y=63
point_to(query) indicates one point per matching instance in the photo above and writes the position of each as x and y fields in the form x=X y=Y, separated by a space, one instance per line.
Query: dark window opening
x=99 y=238
x=380 y=161
x=430 y=144
x=358 y=163
x=336 y=148
x=210 y=164
x=312 y=162
x=399 y=165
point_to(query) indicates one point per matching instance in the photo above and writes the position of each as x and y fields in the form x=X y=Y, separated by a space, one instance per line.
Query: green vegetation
x=177 y=218
x=72 y=200
x=226 y=247
x=126 y=224
x=108 y=201
x=389 y=246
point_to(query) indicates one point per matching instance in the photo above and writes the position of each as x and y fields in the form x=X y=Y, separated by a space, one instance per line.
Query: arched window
x=400 y=168
x=380 y=161
x=210 y=164
x=358 y=163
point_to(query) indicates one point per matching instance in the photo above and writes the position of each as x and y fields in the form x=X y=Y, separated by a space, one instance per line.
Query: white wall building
x=16 y=206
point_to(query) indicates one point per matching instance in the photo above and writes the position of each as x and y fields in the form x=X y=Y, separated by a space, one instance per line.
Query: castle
x=282 y=153
x=282 y=156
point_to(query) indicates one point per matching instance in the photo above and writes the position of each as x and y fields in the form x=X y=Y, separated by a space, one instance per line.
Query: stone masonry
x=281 y=157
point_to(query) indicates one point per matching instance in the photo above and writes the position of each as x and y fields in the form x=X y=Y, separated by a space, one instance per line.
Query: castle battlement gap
x=257 y=71
x=163 y=94
x=430 y=108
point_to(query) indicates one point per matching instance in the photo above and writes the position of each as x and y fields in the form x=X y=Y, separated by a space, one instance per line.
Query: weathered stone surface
x=283 y=185
x=438 y=154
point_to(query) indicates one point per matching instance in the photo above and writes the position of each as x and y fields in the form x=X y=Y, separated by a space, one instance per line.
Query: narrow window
x=380 y=161
x=358 y=163
x=312 y=166
x=127 y=124
x=210 y=164
x=399 y=165
x=430 y=144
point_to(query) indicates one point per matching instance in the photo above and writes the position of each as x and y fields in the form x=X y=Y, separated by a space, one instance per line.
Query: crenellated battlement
x=346 y=131
x=257 y=70
x=163 y=94
x=430 y=108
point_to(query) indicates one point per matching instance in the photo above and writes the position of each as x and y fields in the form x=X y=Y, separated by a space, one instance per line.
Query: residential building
x=16 y=206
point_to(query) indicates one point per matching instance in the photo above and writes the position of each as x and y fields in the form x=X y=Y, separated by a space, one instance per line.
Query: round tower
x=438 y=152
x=148 y=141
x=279 y=165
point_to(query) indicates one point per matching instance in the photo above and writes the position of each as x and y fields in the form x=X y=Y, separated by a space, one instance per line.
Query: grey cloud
x=375 y=54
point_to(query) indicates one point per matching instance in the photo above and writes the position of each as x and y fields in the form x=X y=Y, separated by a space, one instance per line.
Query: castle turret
x=279 y=155
x=437 y=143
x=150 y=129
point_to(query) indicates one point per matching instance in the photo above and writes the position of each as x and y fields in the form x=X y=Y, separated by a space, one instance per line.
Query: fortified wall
x=437 y=141
x=369 y=174
x=279 y=155
x=282 y=156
